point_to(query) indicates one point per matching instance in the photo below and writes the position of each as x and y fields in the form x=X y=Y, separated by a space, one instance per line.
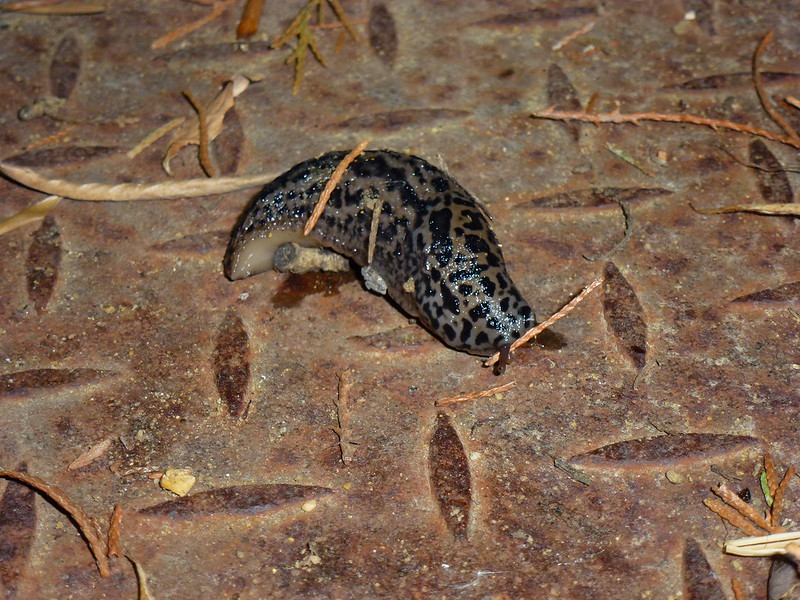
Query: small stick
x=733 y=517
x=202 y=124
x=777 y=497
x=343 y=417
x=476 y=395
x=114 y=529
x=373 y=229
x=91 y=455
x=762 y=95
x=250 y=18
x=216 y=10
x=338 y=172
x=532 y=333
x=153 y=137
x=141 y=577
x=572 y=36
x=792 y=101
x=772 y=476
x=86 y=524
x=123 y=192
x=51 y=138
x=744 y=508
x=616 y=117
x=785 y=209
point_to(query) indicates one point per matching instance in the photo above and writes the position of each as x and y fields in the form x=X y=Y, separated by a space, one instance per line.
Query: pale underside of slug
x=435 y=250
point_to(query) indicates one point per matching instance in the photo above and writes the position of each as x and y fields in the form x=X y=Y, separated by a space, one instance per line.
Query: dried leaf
x=590 y=197
x=17 y=532
x=65 y=67
x=562 y=95
x=91 y=455
x=31 y=214
x=537 y=15
x=773 y=182
x=699 y=580
x=624 y=315
x=42 y=265
x=189 y=132
x=23 y=382
x=397 y=119
x=382 y=33
x=450 y=477
x=789 y=292
x=250 y=500
x=231 y=363
x=663 y=450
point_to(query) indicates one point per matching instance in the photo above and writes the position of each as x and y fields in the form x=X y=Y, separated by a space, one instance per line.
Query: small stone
x=177 y=481
x=309 y=506
x=674 y=477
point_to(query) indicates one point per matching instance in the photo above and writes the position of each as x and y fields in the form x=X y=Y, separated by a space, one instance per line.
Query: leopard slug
x=435 y=253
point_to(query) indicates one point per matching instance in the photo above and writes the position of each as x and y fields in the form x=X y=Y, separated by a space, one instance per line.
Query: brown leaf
x=699 y=580
x=537 y=15
x=23 y=382
x=591 y=197
x=65 y=67
x=243 y=500
x=17 y=532
x=663 y=450
x=624 y=315
x=397 y=119
x=773 y=182
x=789 y=292
x=44 y=259
x=562 y=95
x=189 y=132
x=61 y=155
x=231 y=363
x=450 y=477
x=382 y=33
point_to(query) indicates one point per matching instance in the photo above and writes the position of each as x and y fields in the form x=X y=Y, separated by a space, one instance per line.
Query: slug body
x=435 y=253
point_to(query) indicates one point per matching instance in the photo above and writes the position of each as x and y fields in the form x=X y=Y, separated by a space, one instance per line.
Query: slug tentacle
x=434 y=249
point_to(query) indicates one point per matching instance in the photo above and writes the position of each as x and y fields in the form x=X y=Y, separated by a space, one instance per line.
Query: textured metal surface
x=116 y=321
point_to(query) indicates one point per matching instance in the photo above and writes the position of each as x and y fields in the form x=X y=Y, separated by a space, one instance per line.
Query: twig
x=86 y=524
x=54 y=7
x=217 y=9
x=114 y=529
x=777 y=497
x=51 y=138
x=336 y=176
x=91 y=455
x=250 y=18
x=123 y=192
x=154 y=136
x=572 y=36
x=617 y=117
x=738 y=592
x=623 y=155
x=764 y=545
x=784 y=209
x=202 y=125
x=762 y=94
x=373 y=228
x=475 y=395
x=30 y=214
x=733 y=517
x=141 y=577
x=747 y=511
x=568 y=308
x=771 y=475
x=792 y=101
x=343 y=418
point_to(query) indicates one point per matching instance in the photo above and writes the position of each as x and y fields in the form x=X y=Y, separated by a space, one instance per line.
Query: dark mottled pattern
x=431 y=232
